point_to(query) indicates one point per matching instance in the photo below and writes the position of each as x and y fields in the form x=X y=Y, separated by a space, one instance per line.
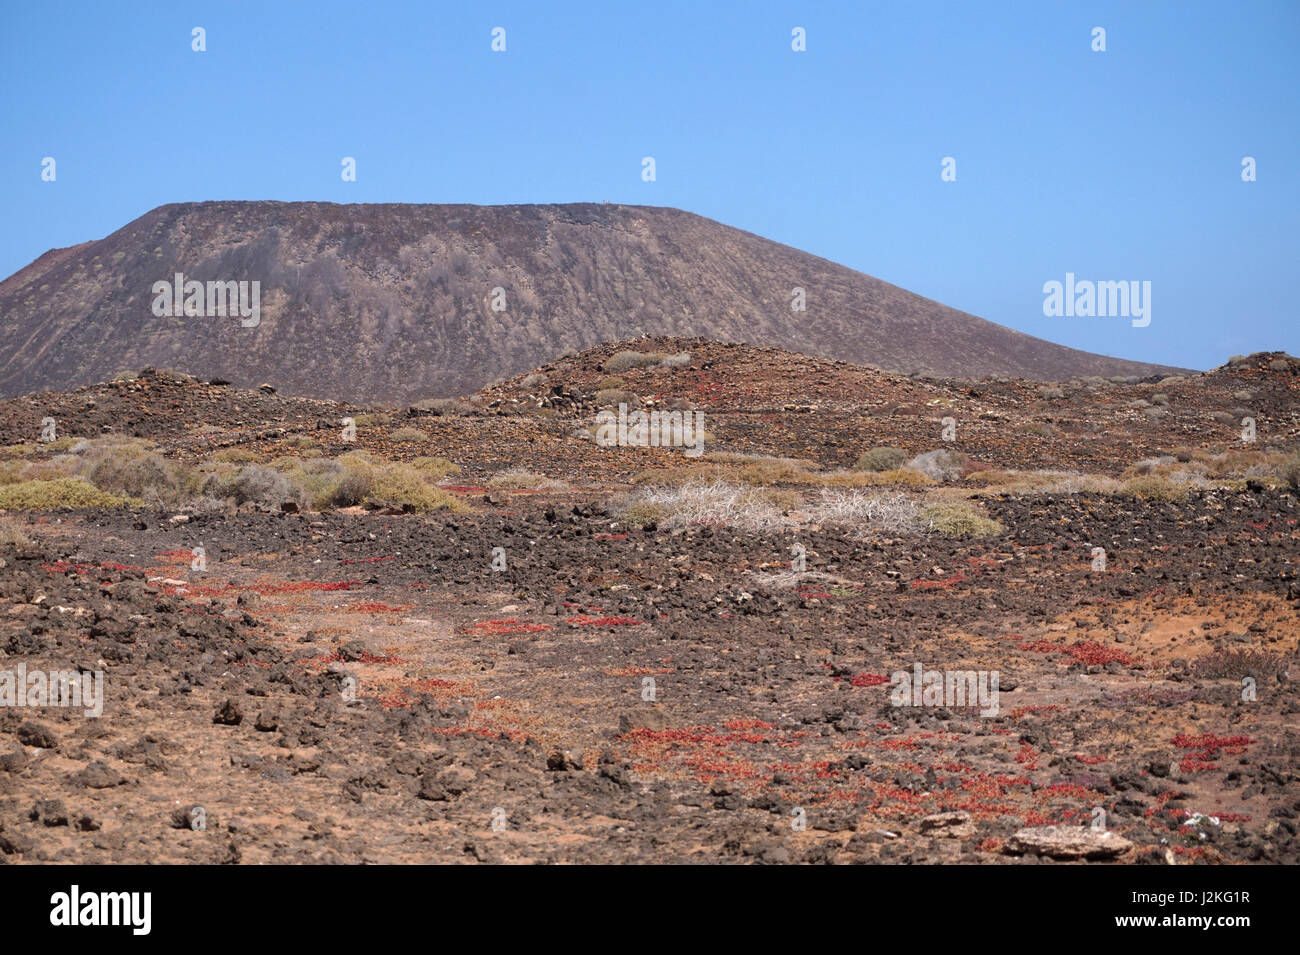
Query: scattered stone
x=38 y=735
x=949 y=825
x=1067 y=842
x=50 y=812
x=98 y=775
x=648 y=718
x=228 y=714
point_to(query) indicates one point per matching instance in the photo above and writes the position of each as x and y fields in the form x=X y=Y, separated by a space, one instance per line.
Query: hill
x=397 y=302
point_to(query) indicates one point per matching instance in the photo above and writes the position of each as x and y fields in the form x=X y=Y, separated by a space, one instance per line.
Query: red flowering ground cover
x=868 y=679
x=1205 y=747
x=1085 y=651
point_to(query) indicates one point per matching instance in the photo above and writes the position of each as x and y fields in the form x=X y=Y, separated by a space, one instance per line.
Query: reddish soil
x=519 y=697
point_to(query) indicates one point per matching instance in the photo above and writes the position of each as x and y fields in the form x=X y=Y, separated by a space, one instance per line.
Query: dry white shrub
x=719 y=504
x=867 y=513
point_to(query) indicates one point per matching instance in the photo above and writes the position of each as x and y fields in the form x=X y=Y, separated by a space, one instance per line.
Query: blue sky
x=1122 y=165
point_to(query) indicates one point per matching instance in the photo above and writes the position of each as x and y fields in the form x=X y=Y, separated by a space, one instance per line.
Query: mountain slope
x=395 y=302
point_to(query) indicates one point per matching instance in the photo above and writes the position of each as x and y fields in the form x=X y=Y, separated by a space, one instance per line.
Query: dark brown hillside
x=393 y=302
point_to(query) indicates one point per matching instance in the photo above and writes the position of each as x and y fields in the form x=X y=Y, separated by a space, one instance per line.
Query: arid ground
x=473 y=633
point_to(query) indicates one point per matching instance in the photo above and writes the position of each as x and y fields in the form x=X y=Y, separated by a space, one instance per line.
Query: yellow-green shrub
x=1152 y=488
x=65 y=492
x=959 y=519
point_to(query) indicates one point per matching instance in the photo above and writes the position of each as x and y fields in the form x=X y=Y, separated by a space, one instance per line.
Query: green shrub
x=131 y=470
x=403 y=435
x=611 y=397
x=435 y=469
x=357 y=477
x=641 y=513
x=255 y=483
x=903 y=476
x=1153 y=488
x=775 y=471
x=319 y=479
x=404 y=485
x=65 y=492
x=354 y=481
x=627 y=360
x=1290 y=471
x=238 y=456
x=881 y=459
x=959 y=519
x=520 y=478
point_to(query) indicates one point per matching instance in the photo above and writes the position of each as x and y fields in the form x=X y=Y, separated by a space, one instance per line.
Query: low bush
x=435 y=468
x=357 y=477
x=65 y=492
x=881 y=459
x=444 y=406
x=715 y=505
x=1237 y=663
x=904 y=476
x=627 y=360
x=238 y=456
x=257 y=484
x=520 y=478
x=943 y=464
x=613 y=397
x=12 y=534
x=1152 y=488
x=130 y=469
x=958 y=519
x=864 y=514
x=1289 y=471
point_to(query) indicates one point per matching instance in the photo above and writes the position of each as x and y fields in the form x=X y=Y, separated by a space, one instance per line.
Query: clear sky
x=1115 y=165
